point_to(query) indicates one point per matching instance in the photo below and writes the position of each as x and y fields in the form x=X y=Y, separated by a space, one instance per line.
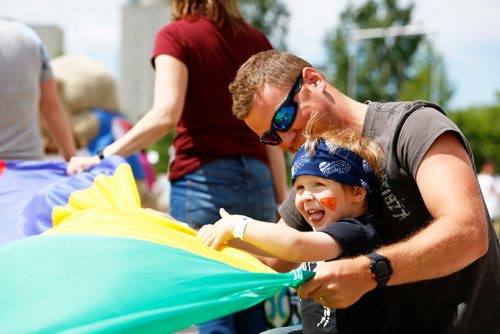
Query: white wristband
x=239 y=227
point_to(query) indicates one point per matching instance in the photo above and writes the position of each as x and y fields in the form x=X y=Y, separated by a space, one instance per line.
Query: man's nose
x=287 y=141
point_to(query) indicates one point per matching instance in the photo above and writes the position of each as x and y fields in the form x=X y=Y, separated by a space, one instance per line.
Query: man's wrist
x=381 y=269
x=363 y=264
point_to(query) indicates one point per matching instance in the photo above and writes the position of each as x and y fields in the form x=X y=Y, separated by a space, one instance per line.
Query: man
x=442 y=259
x=28 y=90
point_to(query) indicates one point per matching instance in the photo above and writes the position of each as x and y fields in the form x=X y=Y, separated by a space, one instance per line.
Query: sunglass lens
x=284 y=117
x=270 y=138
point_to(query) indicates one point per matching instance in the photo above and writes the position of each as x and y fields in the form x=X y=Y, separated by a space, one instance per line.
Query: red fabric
x=207 y=129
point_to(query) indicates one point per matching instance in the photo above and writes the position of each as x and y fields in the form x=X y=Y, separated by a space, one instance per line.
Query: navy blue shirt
x=369 y=314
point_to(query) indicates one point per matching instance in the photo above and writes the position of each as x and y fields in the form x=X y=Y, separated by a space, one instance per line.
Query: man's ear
x=313 y=77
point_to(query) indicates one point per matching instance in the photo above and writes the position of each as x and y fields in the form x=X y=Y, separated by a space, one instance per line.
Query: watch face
x=382 y=269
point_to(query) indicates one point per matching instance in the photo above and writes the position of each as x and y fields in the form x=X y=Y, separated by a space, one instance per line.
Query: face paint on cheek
x=329 y=202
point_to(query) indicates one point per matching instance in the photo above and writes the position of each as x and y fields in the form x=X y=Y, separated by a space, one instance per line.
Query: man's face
x=264 y=107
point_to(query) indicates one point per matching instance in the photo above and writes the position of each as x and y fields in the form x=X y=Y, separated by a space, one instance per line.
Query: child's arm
x=278 y=240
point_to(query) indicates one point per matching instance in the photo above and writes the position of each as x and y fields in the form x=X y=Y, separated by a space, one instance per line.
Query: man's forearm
x=436 y=251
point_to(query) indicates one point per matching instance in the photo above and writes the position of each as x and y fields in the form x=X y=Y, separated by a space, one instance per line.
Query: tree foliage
x=391 y=68
x=481 y=127
x=270 y=16
x=428 y=78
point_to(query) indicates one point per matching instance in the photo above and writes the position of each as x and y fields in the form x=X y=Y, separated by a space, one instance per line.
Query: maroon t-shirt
x=207 y=129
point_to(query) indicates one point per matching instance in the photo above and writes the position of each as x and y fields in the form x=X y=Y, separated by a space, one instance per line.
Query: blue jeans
x=241 y=185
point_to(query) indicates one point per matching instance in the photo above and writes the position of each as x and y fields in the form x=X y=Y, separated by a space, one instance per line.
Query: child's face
x=322 y=201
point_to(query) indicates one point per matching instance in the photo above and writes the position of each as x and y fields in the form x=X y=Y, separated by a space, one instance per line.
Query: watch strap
x=381 y=268
x=100 y=154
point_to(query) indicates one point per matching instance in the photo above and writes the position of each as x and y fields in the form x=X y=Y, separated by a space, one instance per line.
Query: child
x=332 y=174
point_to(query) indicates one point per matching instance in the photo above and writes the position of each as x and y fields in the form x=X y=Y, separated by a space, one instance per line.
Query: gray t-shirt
x=464 y=302
x=23 y=66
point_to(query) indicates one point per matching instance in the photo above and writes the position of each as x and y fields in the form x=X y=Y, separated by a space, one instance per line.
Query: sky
x=466 y=34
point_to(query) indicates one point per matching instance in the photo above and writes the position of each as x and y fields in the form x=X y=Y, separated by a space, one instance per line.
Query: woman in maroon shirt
x=219 y=161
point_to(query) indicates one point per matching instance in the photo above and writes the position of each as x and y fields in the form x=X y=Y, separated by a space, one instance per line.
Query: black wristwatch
x=381 y=268
x=100 y=154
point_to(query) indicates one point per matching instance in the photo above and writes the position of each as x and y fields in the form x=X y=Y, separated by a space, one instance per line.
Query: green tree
x=481 y=127
x=270 y=16
x=428 y=78
x=384 y=69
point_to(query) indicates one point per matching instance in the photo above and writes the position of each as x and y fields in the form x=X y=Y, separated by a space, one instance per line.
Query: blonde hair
x=271 y=67
x=218 y=11
x=368 y=149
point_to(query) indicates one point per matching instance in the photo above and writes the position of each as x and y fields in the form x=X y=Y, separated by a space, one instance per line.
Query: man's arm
x=455 y=238
x=458 y=234
x=56 y=119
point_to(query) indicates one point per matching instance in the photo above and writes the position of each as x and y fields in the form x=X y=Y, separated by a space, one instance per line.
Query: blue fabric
x=30 y=189
x=334 y=162
x=112 y=125
x=241 y=185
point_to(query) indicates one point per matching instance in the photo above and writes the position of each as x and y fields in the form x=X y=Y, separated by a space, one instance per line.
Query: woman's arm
x=171 y=79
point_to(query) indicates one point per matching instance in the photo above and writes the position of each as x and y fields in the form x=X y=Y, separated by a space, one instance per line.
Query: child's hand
x=206 y=234
x=220 y=232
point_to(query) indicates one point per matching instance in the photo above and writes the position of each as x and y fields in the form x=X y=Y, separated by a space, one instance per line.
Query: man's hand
x=339 y=283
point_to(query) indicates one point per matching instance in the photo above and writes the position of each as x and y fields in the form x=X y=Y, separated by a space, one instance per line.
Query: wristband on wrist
x=240 y=226
x=100 y=154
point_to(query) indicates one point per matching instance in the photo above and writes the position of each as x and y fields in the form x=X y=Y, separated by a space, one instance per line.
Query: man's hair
x=272 y=67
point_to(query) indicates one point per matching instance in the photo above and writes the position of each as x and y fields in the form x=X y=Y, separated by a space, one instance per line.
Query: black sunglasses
x=283 y=117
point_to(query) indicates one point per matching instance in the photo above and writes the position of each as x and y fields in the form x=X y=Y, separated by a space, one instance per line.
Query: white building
x=141 y=20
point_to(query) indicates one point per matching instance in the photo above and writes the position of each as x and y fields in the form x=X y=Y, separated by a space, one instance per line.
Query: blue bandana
x=343 y=166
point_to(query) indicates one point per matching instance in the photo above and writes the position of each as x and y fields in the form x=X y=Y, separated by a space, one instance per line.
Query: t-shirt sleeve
x=46 y=70
x=419 y=132
x=353 y=236
x=291 y=215
x=169 y=42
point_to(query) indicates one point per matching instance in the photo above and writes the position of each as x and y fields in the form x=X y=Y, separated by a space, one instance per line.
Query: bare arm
x=277 y=264
x=458 y=234
x=456 y=237
x=277 y=240
x=169 y=93
x=56 y=119
x=278 y=170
